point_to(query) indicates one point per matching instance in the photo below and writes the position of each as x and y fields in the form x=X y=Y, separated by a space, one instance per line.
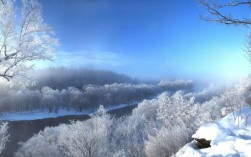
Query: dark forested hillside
x=61 y=78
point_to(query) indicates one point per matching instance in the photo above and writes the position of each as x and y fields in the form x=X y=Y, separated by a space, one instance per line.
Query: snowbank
x=38 y=114
x=229 y=136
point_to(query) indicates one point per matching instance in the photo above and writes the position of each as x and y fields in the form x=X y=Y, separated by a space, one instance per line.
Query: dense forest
x=82 y=89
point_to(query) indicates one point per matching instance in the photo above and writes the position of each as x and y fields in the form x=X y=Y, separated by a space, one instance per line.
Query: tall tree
x=24 y=38
x=4 y=136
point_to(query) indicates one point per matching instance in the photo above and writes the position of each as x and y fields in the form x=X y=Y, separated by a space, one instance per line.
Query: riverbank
x=22 y=130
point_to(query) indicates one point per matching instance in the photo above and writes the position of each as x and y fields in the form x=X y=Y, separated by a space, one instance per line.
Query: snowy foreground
x=229 y=136
x=37 y=114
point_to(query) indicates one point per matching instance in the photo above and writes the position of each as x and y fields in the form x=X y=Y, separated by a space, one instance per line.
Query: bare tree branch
x=217 y=14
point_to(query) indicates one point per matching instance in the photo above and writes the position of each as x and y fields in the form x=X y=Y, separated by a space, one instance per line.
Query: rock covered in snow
x=202 y=142
x=229 y=136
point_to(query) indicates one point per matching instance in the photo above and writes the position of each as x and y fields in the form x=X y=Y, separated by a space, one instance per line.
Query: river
x=23 y=130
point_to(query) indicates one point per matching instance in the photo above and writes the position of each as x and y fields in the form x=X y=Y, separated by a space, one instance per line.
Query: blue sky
x=147 y=39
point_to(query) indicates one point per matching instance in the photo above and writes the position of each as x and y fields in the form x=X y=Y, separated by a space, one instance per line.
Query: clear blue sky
x=148 y=39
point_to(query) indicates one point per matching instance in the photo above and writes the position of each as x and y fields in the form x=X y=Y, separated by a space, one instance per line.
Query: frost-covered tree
x=24 y=37
x=131 y=131
x=77 y=99
x=24 y=99
x=88 y=138
x=45 y=143
x=129 y=135
x=175 y=110
x=50 y=99
x=167 y=141
x=4 y=136
x=175 y=122
x=120 y=153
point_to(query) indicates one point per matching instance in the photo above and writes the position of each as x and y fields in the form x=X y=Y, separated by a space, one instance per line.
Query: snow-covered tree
x=120 y=153
x=4 y=136
x=24 y=37
x=174 y=125
x=88 y=138
x=131 y=131
x=43 y=144
x=175 y=110
x=167 y=141
x=129 y=136
x=77 y=99
x=50 y=99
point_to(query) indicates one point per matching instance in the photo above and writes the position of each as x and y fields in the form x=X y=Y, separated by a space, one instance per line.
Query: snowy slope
x=229 y=136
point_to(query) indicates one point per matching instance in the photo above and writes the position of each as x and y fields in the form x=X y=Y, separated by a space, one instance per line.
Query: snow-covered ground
x=229 y=136
x=38 y=114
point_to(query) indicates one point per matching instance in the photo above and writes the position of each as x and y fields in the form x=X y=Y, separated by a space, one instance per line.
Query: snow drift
x=229 y=136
